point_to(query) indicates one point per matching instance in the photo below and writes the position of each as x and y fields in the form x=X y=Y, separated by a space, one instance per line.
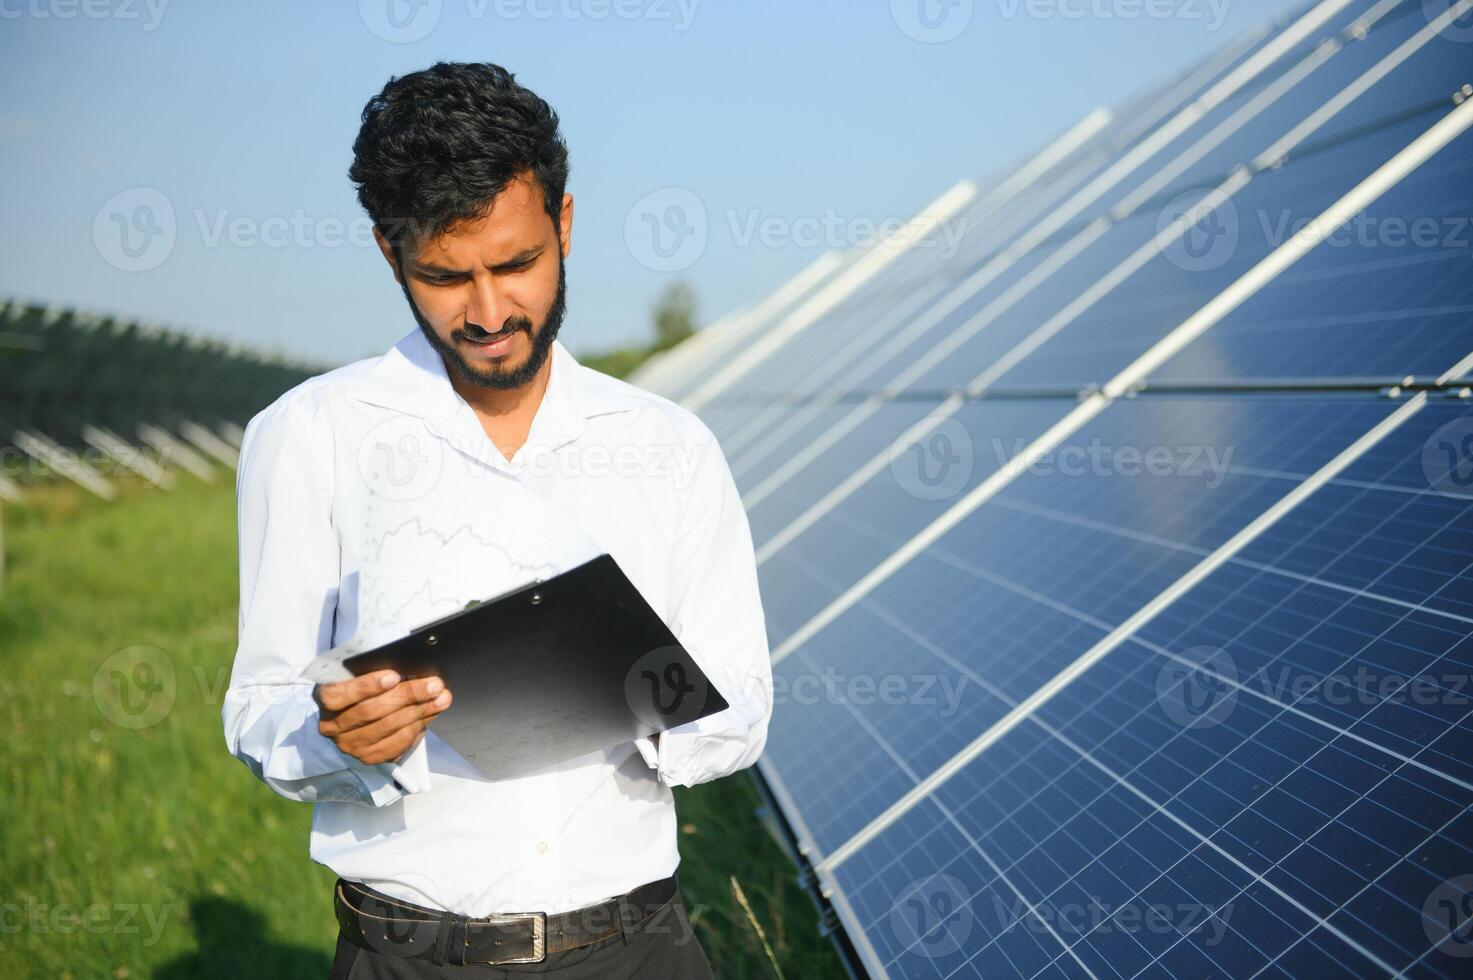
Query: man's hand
x=377 y=718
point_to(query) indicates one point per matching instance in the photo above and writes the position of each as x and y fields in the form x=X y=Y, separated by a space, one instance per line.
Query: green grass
x=135 y=850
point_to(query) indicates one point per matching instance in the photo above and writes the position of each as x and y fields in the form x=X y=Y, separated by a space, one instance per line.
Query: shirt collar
x=412 y=378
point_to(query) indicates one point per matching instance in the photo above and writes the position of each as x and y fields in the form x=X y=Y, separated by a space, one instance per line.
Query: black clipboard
x=551 y=671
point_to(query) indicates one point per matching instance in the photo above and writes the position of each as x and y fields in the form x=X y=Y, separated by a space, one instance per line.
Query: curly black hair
x=437 y=146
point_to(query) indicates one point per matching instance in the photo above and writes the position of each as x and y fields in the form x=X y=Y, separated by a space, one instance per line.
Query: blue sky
x=225 y=129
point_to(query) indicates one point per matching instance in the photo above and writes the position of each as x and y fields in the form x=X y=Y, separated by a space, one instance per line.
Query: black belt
x=376 y=922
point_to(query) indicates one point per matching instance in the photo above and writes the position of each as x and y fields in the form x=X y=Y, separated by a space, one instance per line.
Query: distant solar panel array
x=87 y=397
x=1118 y=563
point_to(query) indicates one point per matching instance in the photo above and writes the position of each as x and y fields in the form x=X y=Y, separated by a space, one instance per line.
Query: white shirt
x=370 y=502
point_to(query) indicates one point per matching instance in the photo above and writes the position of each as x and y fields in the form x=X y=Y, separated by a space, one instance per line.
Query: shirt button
x=542 y=847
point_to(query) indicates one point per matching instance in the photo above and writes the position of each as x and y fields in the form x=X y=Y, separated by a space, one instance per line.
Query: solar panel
x=1169 y=288
x=800 y=426
x=1326 y=68
x=868 y=428
x=1272 y=777
x=1103 y=538
x=1096 y=188
x=1142 y=655
x=680 y=370
x=1094 y=161
x=918 y=482
x=1226 y=241
x=855 y=334
x=1391 y=296
x=1244 y=229
x=1033 y=288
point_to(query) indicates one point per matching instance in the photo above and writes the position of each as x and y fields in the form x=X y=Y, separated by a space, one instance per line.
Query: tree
x=675 y=315
x=674 y=319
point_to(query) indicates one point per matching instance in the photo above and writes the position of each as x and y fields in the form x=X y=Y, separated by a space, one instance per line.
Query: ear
x=565 y=224
x=388 y=250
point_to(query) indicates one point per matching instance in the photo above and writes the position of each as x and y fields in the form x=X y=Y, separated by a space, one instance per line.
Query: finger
x=345 y=694
x=397 y=743
x=395 y=746
x=418 y=691
x=418 y=712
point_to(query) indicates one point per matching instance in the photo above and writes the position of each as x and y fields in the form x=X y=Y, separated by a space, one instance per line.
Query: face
x=489 y=295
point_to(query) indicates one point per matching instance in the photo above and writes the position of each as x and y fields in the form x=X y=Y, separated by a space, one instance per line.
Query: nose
x=487 y=307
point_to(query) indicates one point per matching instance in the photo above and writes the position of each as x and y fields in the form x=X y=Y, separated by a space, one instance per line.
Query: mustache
x=514 y=323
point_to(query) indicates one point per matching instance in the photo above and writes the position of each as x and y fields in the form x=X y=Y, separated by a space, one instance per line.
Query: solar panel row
x=1116 y=564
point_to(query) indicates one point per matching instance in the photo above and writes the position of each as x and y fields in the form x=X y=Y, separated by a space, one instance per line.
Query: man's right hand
x=379 y=717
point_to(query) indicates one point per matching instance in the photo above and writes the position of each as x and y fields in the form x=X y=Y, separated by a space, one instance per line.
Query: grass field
x=136 y=846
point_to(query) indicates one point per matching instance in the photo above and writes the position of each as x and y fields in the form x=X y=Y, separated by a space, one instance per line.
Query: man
x=473 y=457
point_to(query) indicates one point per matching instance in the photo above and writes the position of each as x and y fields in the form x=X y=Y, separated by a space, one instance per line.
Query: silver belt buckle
x=539 y=935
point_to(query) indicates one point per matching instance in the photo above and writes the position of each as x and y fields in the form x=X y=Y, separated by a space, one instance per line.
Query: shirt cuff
x=678 y=744
x=648 y=750
x=389 y=782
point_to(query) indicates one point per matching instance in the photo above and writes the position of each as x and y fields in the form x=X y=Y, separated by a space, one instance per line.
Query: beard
x=504 y=380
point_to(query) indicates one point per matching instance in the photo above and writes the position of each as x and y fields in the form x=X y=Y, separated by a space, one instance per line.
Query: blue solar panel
x=831 y=338
x=1027 y=583
x=1146 y=305
x=1175 y=284
x=801 y=426
x=1439 y=68
x=1389 y=296
x=917 y=484
x=808 y=361
x=1231 y=789
x=1143 y=308
x=772 y=512
x=849 y=343
x=1271 y=778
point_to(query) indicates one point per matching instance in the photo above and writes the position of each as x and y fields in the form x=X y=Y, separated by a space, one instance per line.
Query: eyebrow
x=521 y=258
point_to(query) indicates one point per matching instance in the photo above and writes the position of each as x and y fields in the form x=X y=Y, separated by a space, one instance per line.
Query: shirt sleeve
x=717 y=616
x=289 y=578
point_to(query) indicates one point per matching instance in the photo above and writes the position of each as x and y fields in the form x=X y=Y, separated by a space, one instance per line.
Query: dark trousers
x=662 y=947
